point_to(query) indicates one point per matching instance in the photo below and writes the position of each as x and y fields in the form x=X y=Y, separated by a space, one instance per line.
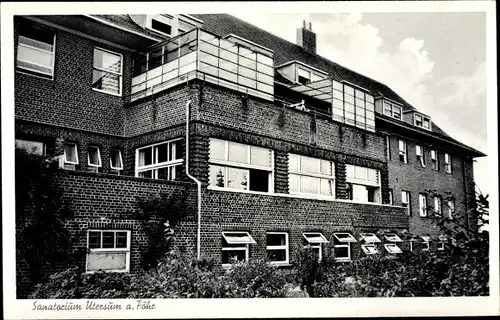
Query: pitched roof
x=285 y=51
x=124 y=21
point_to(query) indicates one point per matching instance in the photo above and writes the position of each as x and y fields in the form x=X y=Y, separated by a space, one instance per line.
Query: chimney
x=306 y=38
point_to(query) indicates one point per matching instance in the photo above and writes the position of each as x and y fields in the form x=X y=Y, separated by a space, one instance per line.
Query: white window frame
x=392 y=237
x=364 y=182
x=120 y=74
x=426 y=241
x=343 y=242
x=366 y=249
x=424 y=119
x=420 y=153
x=450 y=208
x=110 y=250
x=369 y=237
x=245 y=246
x=392 y=106
x=119 y=156
x=226 y=164
x=391 y=196
x=392 y=248
x=300 y=173
x=435 y=160
x=76 y=153
x=38 y=49
x=408 y=200
x=438 y=205
x=412 y=240
x=447 y=163
x=404 y=152
x=25 y=141
x=285 y=247
x=388 y=146
x=155 y=166
x=316 y=244
x=98 y=157
x=442 y=239
x=422 y=207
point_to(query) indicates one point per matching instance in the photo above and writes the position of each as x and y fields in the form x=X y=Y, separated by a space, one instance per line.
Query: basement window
x=392 y=248
x=369 y=249
x=109 y=250
x=369 y=238
x=342 y=246
x=441 y=245
x=277 y=247
x=426 y=243
x=314 y=241
x=241 y=167
x=235 y=246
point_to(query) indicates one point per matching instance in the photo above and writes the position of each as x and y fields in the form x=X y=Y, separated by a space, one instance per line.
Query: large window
x=314 y=241
x=33 y=147
x=363 y=184
x=235 y=246
x=240 y=167
x=391 y=109
x=342 y=246
x=403 y=155
x=109 y=250
x=159 y=161
x=420 y=155
x=277 y=247
x=310 y=175
x=447 y=163
x=422 y=204
x=353 y=106
x=36 y=50
x=107 y=72
x=434 y=160
x=406 y=201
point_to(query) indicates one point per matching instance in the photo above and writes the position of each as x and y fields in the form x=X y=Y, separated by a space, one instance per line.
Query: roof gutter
x=198 y=183
x=121 y=28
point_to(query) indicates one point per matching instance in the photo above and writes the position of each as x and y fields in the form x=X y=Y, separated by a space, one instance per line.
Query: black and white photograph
x=249 y=159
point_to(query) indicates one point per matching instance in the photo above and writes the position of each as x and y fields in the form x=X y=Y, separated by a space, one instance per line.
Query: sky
x=435 y=61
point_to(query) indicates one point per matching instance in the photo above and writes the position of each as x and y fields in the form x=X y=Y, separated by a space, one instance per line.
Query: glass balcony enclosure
x=203 y=55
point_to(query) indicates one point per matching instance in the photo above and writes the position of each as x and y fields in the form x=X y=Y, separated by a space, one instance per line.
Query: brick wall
x=69 y=100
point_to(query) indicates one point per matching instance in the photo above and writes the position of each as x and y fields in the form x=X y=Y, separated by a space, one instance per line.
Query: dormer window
x=422 y=121
x=161 y=23
x=161 y=27
x=391 y=110
x=301 y=73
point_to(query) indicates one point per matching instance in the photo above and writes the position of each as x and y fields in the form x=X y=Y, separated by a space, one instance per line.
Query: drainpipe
x=198 y=183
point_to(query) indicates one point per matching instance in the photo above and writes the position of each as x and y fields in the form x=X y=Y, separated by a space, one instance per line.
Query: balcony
x=198 y=54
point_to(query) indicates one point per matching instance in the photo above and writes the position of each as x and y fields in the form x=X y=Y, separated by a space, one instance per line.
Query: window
x=388 y=146
x=369 y=249
x=392 y=248
x=447 y=163
x=303 y=76
x=412 y=241
x=107 y=73
x=363 y=184
x=422 y=121
x=420 y=155
x=70 y=153
x=434 y=160
x=94 y=156
x=161 y=27
x=314 y=241
x=392 y=237
x=353 y=106
x=115 y=159
x=441 y=245
x=277 y=247
x=391 y=196
x=342 y=246
x=36 y=50
x=450 y=206
x=235 y=246
x=402 y=151
x=33 y=147
x=240 y=167
x=159 y=161
x=426 y=243
x=437 y=205
x=369 y=238
x=109 y=250
x=310 y=176
x=422 y=202
x=406 y=201
x=392 y=110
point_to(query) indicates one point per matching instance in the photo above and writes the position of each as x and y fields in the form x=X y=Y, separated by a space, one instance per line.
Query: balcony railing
x=203 y=55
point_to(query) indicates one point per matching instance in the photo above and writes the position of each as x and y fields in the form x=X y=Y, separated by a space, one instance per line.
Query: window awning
x=392 y=237
x=369 y=249
x=369 y=238
x=344 y=237
x=392 y=248
x=315 y=237
x=238 y=238
x=426 y=238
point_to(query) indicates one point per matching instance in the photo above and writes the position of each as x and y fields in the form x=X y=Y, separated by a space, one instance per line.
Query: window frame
x=366 y=248
x=448 y=163
x=315 y=245
x=120 y=75
x=37 y=73
x=450 y=204
x=391 y=196
x=242 y=246
x=423 y=210
x=435 y=159
x=127 y=250
x=392 y=248
x=408 y=202
x=420 y=155
x=76 y=154
x=423 y=120
x=404 y=152
x=44 y=146
x=441 y=244
x=427 y=242
x=438 y=206
x=99 y=165
x=393 y=106
x=388 y=146
x=155 y=166
x=367 y=183
x=285 y=247
x=300 y=173
x=227 y=164
x=339 y=243
x=111 y=161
